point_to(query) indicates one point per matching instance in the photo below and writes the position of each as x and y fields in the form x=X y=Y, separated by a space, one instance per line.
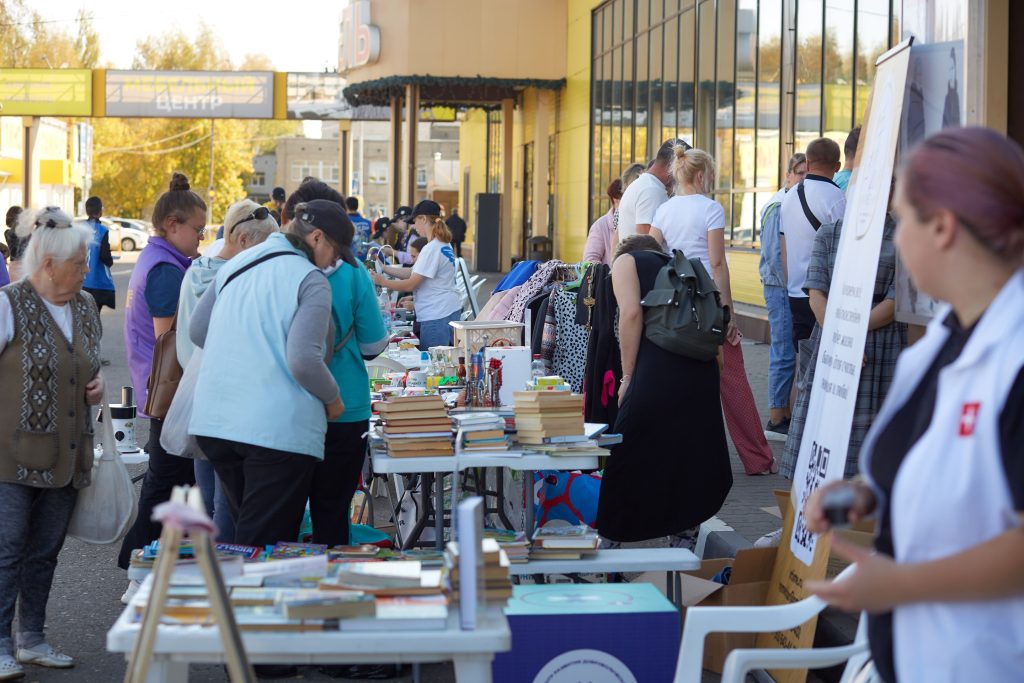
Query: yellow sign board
x=45 y=92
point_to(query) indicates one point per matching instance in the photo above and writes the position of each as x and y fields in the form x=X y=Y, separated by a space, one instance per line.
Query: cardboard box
x=748 y=584
x=862 y=534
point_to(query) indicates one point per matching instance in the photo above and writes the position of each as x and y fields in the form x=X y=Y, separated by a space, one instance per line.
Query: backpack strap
x=253 y=264
x=811 y=218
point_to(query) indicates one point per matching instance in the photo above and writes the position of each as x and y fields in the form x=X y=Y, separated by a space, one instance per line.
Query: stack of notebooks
x=544 y=415
x=497 y=586
x=416 y=426
x=145 y=558
x=482 y=432
x=564 y=542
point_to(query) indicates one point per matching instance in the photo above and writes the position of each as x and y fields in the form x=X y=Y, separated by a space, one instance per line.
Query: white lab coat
x=951 y=493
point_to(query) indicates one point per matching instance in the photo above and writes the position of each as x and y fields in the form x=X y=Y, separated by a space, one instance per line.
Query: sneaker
x=133 y=588
x=10 y=669
x=777 y=431
x=772 y=540
x=44 y=655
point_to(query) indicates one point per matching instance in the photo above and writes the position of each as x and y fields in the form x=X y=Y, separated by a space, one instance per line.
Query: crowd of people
x=278 y=315
x=935 y=453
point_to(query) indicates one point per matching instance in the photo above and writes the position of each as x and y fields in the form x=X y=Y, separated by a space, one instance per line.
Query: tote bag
x=106 y=509
x=174 y=436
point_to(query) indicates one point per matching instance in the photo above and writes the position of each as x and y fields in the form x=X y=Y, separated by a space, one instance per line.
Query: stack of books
x=564 y=542
x=288 y=550
x=497 y=586
x=399 y=577
x=416 y=426
x=544 y=415
x=482 y=432
x=515 y=544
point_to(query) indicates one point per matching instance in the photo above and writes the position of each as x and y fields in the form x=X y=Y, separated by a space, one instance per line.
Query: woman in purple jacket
x=179 y=223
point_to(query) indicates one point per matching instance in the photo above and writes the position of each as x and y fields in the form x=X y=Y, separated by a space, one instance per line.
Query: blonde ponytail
x=439 y=230
x=688 y=163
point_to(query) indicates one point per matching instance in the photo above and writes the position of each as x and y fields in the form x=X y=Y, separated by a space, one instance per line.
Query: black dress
x=671 y=472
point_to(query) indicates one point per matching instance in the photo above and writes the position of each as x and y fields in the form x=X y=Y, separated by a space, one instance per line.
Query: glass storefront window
x=769 y=87
x=726 y=93
x=670 y=119
x=657 y=101
x=705 y=112
x=838 y=102
x=687 y=72
x=808 y=72
x=872 y=40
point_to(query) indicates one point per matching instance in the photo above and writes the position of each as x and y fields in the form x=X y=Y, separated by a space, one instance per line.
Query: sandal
x=10 y=669
x=44 y=655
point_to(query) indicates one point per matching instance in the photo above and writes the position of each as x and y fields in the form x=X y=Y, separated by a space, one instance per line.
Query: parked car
x=130 y=233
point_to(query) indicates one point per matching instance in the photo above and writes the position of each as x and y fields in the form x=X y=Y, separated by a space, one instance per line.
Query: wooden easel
x=238 y=666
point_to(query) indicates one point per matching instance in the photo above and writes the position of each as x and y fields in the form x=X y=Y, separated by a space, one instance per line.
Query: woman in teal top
x=359 y=333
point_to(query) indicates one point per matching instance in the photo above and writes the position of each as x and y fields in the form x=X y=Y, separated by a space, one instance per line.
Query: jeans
x=335 y=481
x=215 y=500
x=781 y=354
x=270 y=487
x=437 y=332
x=165 y=472
x=35 y=522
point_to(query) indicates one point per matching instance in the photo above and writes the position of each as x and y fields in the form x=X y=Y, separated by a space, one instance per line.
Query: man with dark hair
x=458 y=228
x=98 y=281
x=816 y=201
x=842 y=178
x=361 y=224
x=644 y=195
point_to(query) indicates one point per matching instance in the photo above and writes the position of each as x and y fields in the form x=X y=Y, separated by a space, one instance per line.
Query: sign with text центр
x=190 y=94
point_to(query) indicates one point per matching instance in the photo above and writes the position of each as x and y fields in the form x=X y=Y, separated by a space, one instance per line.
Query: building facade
x=576 y=90
x=60 y=154
x=264 y=175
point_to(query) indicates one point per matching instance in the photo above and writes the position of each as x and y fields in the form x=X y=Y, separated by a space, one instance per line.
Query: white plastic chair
x=700 y=621
x=379 y=367
x=464 y=283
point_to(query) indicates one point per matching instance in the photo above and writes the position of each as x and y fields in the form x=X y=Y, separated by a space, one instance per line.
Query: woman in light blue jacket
x=246 y=225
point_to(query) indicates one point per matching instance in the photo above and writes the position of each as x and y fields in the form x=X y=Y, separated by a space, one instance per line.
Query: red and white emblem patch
x=969 y=418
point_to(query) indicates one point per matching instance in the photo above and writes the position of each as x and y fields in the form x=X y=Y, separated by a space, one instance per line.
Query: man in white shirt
x=645 y=194
x=811 y=204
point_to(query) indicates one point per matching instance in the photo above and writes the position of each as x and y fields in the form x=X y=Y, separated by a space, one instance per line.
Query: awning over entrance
x=449 y=91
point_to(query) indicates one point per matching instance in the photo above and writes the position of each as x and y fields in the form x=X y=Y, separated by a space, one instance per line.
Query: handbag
x=106 y=509
x=164 y=374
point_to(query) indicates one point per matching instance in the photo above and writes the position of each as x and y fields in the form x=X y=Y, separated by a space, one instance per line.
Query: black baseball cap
x=331 y=218
x=427 y=208
x=278 y=194
x=404 y=213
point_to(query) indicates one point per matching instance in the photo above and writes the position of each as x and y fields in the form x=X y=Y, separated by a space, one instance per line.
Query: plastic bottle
x=385 y=308
x=537 y=367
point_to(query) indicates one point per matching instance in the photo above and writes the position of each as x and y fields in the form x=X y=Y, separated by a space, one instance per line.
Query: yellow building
x=557 y=97
x=57 y=167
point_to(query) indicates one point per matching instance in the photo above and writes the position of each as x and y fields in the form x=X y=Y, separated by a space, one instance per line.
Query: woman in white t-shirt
x=694 y=224
x=437 y=301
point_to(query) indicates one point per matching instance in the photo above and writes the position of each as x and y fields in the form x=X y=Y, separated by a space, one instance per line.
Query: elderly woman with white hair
x=246 y=224
x=50 y=366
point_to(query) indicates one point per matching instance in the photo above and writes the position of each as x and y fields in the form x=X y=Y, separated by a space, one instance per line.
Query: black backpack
x=683 y=313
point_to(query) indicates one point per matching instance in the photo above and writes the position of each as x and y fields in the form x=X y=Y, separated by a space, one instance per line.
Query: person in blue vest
x=99 y=282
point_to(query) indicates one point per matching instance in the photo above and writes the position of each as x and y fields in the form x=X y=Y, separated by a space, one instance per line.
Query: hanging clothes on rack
x=551 y=271
x=603 y=370
x=570 y=344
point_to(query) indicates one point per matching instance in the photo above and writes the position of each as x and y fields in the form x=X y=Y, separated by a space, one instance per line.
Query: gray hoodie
x=198 y=278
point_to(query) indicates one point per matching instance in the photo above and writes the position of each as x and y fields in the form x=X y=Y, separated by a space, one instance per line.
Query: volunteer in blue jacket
x=944 y=460
x=438 y=302
x=359 y=333
x=99 y=282
x=264 y=393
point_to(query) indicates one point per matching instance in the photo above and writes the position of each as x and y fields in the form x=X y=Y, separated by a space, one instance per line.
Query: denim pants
x=215 y=500
x=35 y=522
x=437 y=332
x=782 y=354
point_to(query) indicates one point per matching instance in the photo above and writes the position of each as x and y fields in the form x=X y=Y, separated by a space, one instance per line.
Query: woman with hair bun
x=944 y=460
x=601 y=239
x=179 y=223
x=694 y=224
